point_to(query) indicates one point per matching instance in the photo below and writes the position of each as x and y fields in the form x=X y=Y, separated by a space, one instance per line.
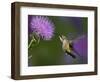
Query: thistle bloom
x=42 y=26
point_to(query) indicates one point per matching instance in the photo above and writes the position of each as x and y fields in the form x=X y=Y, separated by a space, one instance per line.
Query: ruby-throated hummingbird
x=67 y=46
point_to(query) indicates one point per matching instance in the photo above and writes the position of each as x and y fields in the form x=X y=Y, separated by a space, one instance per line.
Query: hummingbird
x=67 y=46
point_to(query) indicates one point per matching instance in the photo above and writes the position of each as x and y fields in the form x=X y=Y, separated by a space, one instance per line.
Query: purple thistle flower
x=42 y=26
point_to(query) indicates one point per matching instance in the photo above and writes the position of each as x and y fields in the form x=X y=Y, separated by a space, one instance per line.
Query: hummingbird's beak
x=61 y=39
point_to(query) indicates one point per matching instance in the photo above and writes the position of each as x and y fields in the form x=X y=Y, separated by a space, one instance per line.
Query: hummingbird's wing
x=72 y=43
x=77 y=38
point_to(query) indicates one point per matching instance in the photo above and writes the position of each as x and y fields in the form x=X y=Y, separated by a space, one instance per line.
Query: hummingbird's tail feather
x=76 y=52
x=72 y=55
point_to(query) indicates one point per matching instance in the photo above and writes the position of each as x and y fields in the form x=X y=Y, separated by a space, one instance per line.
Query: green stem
x=33 y=39
x=29 y=57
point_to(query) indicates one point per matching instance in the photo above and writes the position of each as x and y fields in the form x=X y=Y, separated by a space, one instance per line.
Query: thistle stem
x=29 y=57
x=33 y=40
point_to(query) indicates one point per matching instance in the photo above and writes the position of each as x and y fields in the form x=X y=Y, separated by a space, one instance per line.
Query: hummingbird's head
x=62 y=38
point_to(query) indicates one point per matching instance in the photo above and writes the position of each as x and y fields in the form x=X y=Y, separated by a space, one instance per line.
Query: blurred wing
x=79 y=45
x=77 y=39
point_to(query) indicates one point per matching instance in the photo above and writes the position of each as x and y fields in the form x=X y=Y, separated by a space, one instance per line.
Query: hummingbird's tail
x=74 y=51
x=72 y=55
